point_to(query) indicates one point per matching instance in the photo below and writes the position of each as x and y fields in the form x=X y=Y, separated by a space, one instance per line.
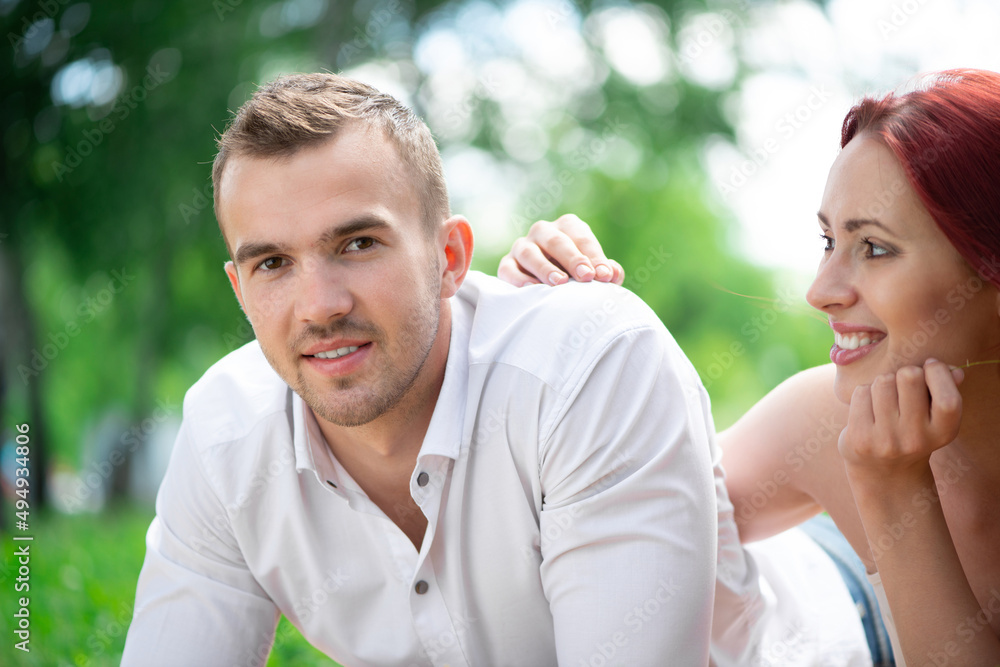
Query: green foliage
x=291 y=649
x=83 y=574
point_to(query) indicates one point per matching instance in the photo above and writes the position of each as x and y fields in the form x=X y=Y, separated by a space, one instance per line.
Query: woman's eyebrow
x=854 y=224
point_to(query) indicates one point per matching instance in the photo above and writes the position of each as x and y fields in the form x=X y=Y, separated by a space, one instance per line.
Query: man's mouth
x=341 y=361
x=336 y=354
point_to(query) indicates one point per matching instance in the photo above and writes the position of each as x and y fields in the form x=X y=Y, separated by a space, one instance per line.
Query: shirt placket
x=432 y=619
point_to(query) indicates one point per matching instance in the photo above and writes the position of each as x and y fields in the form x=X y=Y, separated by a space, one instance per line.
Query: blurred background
x=693 y=135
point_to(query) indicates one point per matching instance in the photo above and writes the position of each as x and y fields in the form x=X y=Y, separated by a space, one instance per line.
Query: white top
x=890 y=625
x=810 y=617
x=566 y=477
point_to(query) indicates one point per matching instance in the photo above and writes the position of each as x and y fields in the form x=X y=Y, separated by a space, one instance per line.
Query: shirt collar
x=311 y=452
x=444 y=433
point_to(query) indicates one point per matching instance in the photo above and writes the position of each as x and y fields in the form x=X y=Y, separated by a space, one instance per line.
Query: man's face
x=335 y=271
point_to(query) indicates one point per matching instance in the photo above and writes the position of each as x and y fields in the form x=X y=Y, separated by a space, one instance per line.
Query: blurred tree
x=112 y=293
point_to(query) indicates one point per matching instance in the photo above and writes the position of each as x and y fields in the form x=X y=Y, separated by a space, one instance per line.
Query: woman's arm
x=771 y=454
x=895 y=424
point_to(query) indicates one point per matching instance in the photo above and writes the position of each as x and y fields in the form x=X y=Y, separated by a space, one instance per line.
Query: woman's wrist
x=890 y=488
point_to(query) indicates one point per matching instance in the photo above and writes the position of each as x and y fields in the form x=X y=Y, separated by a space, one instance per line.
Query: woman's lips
x=849 y=347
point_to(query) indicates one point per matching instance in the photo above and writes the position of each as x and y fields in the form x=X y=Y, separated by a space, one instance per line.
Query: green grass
x=83 y=574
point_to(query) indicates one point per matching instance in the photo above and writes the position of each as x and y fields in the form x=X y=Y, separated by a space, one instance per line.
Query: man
x=415 y=464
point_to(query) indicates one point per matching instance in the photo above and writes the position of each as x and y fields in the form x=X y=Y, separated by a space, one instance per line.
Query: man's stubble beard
x=389 y=385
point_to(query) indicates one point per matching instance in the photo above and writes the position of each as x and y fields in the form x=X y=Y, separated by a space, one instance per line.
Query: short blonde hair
x=301 y=110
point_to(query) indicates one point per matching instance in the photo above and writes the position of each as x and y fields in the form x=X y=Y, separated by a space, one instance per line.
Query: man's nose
x=322 y=293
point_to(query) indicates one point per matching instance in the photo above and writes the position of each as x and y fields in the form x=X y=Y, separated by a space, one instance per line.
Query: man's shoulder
x=234 y=395
x=568 y=324
x=595 y=302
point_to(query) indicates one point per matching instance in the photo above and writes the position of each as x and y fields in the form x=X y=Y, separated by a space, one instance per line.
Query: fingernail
x=584 y=272
x=556 y=277
x=603 y=272
x=931 y=360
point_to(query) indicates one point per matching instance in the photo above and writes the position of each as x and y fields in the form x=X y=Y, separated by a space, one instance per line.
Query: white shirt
x=569 y=479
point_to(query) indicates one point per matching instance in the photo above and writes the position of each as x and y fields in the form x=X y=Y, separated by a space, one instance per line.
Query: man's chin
x=339 y=406
x=342 y=418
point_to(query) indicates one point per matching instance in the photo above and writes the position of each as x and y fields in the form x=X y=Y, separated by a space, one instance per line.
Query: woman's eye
x=363 y=243
x=874 y=249
x=271 y=263
x=828 y=243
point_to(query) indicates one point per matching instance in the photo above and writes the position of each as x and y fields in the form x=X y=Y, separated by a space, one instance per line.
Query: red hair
x=946 y=135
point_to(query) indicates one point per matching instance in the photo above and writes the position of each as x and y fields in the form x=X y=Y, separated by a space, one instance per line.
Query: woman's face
x=895 y=290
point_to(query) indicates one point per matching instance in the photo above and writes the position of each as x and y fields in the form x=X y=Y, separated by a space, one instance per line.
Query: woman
x=899 y=439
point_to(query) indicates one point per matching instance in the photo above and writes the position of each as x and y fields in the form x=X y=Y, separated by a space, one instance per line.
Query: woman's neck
x=978 y=441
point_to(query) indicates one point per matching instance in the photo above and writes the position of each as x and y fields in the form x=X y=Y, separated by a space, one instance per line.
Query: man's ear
x=456 y=246
x=234 y=280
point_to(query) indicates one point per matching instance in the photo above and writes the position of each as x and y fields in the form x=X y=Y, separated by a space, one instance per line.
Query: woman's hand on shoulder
x=900 y=419
x=554 y=252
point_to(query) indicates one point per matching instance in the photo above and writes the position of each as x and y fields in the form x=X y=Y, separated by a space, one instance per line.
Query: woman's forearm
x=927 y=589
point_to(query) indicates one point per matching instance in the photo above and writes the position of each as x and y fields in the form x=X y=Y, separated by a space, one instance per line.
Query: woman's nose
x=833 y=286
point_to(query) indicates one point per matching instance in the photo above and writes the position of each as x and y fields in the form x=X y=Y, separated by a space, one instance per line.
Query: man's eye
x=363 y=243
x=271 y=263
x=828 y=242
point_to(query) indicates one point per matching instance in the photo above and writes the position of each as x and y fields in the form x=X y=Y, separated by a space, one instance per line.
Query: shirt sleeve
x=196 y=601
x=628 y=522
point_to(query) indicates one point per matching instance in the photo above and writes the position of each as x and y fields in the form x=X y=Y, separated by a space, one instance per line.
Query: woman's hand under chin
x=893 y=427
x=898 y=421
x=554 y=252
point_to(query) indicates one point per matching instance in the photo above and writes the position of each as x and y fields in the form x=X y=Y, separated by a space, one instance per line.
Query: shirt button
x=421 y=587
x=422 y=479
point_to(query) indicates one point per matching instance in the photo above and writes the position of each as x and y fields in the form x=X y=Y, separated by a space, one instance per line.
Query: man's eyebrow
x=854 y=224
x=364 y=223
x=253 y=249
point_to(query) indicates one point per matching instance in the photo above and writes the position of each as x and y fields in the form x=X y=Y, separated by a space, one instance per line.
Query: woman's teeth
x=853 y=341
x=333 y=354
